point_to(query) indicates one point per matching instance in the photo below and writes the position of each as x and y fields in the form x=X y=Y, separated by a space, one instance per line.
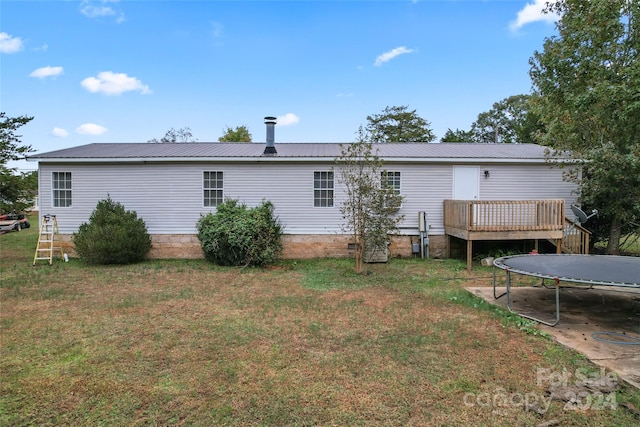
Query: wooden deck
x=576 y=239
x=504 y=220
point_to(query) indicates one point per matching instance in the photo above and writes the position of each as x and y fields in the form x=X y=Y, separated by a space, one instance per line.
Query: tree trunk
x=613 y=246
x=359 y=255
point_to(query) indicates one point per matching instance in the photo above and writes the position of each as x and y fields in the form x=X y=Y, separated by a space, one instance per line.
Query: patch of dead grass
x=173 y=343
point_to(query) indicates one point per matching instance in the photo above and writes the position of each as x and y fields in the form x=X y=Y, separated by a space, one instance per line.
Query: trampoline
x=603 y=270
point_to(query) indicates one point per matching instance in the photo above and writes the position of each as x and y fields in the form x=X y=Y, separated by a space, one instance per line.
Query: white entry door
x=466 y=182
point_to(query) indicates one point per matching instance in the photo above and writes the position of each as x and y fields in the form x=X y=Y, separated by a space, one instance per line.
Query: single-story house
x=171 y=185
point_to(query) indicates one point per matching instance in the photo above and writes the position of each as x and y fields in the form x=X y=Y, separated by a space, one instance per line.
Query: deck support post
x=469 y=253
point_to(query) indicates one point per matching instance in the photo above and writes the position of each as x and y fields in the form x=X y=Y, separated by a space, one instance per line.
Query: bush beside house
x=113 y=235
x=238 y=235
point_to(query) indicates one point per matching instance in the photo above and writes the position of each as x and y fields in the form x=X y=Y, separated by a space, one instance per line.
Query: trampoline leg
x=544 y=284
x=557 y=302
x=508 y=291
x=494 y=286
x=557 y=283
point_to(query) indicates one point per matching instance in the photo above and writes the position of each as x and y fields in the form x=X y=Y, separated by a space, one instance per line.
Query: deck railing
x=576 y=238
x=504 y=215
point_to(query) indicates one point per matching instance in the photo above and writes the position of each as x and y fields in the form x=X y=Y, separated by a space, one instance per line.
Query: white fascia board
x=182 y=159
x=447 y=160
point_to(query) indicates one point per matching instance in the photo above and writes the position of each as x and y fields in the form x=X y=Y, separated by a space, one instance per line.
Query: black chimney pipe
x=270 y=148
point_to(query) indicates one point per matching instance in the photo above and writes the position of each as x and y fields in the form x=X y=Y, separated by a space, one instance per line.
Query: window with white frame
x=323 y=189
x=61 y=189
x=213 y=188
x=391 y=180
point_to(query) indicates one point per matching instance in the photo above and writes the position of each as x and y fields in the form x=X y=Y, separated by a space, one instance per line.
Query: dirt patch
x=603 y=323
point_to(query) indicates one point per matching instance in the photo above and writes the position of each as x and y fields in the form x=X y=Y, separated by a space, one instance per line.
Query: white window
x=322 y=189
x=213 y=188
x=391 y=180
x=61 y=189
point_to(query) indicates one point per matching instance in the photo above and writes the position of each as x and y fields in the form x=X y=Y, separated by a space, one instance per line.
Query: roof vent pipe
x=270 y=148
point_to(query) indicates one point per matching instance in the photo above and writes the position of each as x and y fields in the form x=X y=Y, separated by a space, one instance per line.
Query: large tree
x=239 y=134
x=586 y=87
x=398 y=124
x=10 y=143
x=370 y=204
x=173 y=136
x=17 y=190
x=509 y=121
x=457 y=135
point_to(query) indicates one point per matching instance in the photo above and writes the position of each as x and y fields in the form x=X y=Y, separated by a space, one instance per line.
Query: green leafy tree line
x=173 y=136
x=509 y=121
x=238 y=134
x=398 y=124
x=17 y=190
x=586 y=94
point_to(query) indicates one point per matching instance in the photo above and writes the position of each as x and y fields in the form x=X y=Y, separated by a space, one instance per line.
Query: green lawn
x=183 y=342
x=629 y=244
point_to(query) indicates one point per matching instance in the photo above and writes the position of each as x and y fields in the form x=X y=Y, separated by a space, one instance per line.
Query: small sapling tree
x=370 y=205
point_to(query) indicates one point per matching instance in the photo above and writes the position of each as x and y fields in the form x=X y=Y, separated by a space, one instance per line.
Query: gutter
x=259 y=159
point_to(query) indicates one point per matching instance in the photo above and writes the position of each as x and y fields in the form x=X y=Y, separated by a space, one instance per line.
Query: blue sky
x=128 y=71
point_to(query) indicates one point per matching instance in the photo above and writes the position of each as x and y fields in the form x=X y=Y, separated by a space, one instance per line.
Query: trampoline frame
x=500 y=263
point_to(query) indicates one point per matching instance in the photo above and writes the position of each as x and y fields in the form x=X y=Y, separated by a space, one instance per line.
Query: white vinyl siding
x=424 y=187
x=61 y=189
x=213 y=188
x=169 y=196
x=525 y=182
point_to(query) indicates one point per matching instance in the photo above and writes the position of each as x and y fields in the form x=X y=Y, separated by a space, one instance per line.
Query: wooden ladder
x=47 y=239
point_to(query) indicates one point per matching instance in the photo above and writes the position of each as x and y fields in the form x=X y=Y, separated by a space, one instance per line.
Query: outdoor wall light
x=486 y=174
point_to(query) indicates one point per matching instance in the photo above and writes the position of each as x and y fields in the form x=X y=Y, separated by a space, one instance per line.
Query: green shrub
x=237 y=235
x=113 y=235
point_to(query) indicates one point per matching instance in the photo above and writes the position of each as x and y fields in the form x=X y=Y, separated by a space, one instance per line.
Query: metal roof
x=123 y=152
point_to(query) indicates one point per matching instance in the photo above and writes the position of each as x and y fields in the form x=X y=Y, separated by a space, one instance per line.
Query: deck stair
x=575 y=238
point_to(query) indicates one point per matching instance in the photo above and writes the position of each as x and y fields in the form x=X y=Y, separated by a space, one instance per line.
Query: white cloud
x=216 y=29
x=10 y=44
x=59 y=132
x=92 y=10
x=91 y=129
x=388 y=56
x=111 y=83
x=47 y=71
x=288 y=119
x=532 y=12
x=217 y=33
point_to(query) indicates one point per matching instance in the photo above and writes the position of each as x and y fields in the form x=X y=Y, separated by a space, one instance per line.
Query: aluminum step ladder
x=48 y=240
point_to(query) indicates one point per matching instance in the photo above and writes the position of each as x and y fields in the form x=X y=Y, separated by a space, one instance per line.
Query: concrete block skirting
x=295 y=246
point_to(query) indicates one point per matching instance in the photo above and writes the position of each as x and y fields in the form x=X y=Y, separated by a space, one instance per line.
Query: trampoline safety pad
x=608 y=270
